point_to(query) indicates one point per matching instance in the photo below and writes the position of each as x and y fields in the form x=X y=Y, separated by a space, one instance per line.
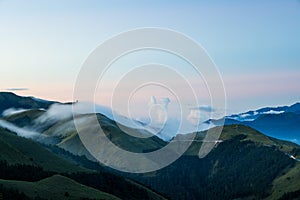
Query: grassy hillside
x=230 y=131
x=11 y=154
x=56 y=187
x=24 y=159
x=245 y=165
x=127 y=142
x=18 y=150
x=25 y=118
x=66 y=137
x=287 y=183
x=67 y=131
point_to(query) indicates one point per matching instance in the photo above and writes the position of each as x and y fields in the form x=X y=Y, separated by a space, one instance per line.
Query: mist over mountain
x=9 y=100
x=243 y=164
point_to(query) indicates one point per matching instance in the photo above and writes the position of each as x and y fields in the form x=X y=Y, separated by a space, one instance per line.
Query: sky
x=255 y=45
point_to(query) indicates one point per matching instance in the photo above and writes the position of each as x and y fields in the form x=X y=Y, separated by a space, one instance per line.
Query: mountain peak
x=11 y=100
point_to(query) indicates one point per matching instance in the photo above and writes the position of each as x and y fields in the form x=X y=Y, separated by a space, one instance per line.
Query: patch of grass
x=286 y=183
x=18 y=150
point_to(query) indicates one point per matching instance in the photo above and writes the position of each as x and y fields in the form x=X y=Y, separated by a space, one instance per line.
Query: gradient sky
x=255 y=44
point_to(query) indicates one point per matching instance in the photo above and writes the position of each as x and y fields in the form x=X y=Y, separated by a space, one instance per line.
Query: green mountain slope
x=24 y=159
x=69 y=137
x=289 y=182
x=245 y=165
x=25 y=118
x=250 y=134
x=56 y=187
x=64 y=133
x=18 y=150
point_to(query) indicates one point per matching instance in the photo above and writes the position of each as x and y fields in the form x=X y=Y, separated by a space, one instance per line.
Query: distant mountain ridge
x=253 y=114
x=281 y=122
x=11 y=100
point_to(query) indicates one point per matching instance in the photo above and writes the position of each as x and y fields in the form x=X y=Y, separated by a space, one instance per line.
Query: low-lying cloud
x=274 y=112
x=12 y=111
x=23 y=132
x=200 y=114
x=16 y=89
x=58 y=112
x=205 y=108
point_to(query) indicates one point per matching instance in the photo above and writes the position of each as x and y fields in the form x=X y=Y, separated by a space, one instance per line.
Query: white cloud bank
x=273 y=112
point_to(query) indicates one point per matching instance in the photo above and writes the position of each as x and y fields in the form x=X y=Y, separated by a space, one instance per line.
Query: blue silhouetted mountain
x=279 y=122
x=11 y=100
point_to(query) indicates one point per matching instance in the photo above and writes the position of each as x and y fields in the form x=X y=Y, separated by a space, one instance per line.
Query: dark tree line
x=112 y=184
x=104 y=181
x=22 y=172
x=12 y=194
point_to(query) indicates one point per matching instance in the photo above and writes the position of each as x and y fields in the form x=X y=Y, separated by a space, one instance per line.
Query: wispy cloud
x=273 y=112
x=200 y=114
x=16 y=89
x=19 y=131
x=12 y=111
x=158 y=110
x=58 y=112
x=204 y=108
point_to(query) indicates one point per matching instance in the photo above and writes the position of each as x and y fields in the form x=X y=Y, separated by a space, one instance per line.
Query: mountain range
x=279 y=122
x=42 y=157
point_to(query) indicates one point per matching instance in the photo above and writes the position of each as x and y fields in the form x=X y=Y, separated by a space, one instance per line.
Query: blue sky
x=255 y=44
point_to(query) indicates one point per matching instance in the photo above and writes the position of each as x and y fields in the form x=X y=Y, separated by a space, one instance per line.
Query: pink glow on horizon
x=253 y=87
x=257 y=85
